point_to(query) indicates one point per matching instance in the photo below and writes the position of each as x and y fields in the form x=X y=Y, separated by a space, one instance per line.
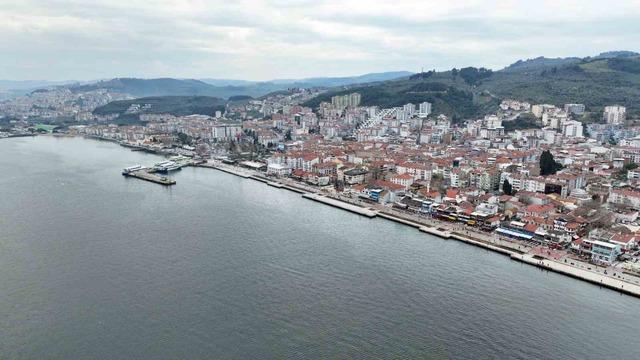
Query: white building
x=539 y=109
x=409 y=109
x=226 y=131
x=278 y=170
x=424 y=109
x=615 y=114
x=572 y=129
x=624 y=197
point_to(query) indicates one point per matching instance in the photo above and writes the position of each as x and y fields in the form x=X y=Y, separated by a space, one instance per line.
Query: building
x=226 y=131
x=409 y=109
x=574 y=109
x=355 y=176
x=403 y=179
x=604 y=252
x=615 y=114
x=572 y=129
x=424 y=109
x=539 y=109
x=624 y=197
x=343 y=101
x=278 y=170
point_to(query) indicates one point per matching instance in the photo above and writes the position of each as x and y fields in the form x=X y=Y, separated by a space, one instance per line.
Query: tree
x=184 y=138
x=507 y=188
x=548 y=166
x=454 y=73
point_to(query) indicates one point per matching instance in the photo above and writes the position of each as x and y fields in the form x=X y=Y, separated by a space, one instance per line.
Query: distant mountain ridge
x=314 y=81
x=223 y=88
x=150 y=87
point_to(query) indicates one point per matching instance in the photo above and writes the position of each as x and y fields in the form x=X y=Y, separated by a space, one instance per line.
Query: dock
x=144 y=175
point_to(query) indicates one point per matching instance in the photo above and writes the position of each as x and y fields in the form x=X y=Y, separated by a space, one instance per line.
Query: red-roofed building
x=402 y=179
x=626 y=241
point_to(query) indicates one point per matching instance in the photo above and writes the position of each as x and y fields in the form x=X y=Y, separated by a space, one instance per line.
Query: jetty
x=147 y=176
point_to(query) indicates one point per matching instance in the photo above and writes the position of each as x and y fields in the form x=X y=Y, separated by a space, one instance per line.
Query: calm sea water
x=97 y=266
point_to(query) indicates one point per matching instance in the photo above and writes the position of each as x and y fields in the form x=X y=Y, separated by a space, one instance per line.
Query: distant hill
x=616 y=54
x=30 y=84
x=540 y=63
x=595 y=82
x=175 y=105
x=339 y=81
x=10 y=89
x=151 y=87
x=223 y=88
x=454 y=97
x=609 y=78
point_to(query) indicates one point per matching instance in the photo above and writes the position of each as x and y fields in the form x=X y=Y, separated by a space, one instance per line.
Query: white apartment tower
x=615 y=114
x=424 y=109
x=572 y=129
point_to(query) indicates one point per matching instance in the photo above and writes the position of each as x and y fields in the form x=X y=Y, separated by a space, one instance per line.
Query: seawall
x=340 y=204
x=606 y=281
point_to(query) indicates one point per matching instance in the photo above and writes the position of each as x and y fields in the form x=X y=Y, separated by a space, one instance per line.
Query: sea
x=94 y=265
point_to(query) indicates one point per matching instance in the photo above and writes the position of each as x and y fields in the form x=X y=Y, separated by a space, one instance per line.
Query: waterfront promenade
x=516 y=250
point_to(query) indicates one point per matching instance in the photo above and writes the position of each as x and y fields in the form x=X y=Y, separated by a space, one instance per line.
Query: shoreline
x=515 y=255
x=611 y=283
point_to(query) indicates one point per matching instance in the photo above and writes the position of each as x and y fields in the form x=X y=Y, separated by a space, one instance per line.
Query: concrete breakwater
x=143 y=175
x=606 y=281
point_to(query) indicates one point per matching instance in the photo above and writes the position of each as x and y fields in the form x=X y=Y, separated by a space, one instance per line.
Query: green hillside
x=470 y=92
x=175 y=105
x=596 y=83
x=450 y=95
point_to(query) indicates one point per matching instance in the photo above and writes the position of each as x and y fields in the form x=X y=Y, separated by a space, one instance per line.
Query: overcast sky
x=259 y=40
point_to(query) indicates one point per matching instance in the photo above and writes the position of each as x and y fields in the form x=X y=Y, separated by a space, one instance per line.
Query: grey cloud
x=59 y=39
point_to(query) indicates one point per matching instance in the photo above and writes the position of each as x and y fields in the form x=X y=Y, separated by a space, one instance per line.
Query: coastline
x=525 y=258
x=621 y=286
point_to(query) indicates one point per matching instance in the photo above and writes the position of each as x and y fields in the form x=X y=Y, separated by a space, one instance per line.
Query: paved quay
x=341 y=204
x=490 y=241
x=595 y=278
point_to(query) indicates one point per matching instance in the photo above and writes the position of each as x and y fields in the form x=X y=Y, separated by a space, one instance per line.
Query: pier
x=144 y=175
